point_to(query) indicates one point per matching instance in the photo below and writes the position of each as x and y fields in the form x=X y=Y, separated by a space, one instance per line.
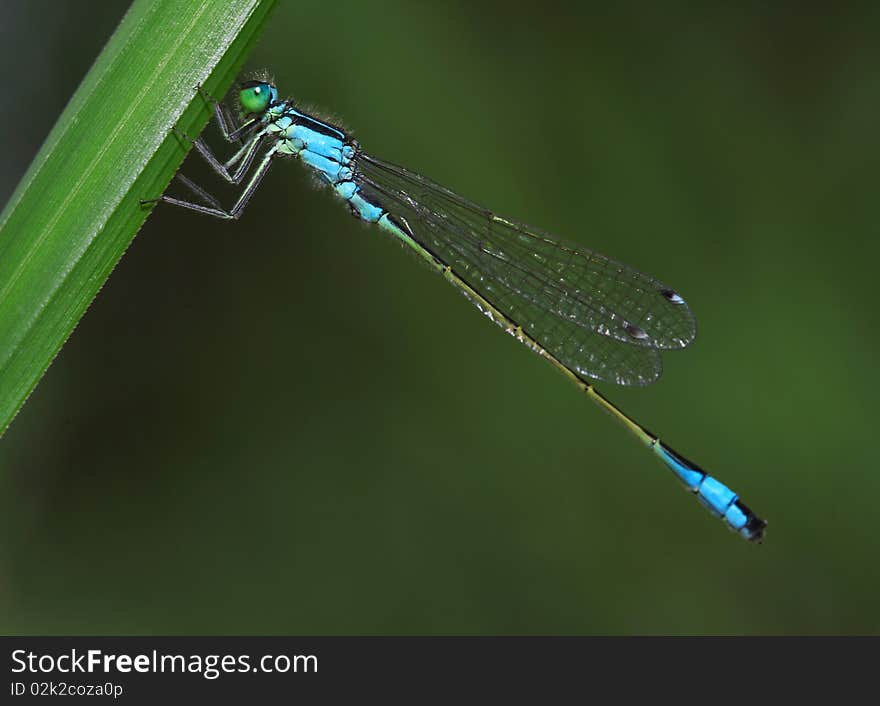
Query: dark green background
x=285 y=425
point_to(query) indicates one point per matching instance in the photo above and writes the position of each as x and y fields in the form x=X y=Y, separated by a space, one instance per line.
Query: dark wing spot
x=672 y=296
x=636 y=332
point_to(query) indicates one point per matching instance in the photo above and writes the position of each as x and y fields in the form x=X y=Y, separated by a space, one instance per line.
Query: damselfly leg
x=243 y=158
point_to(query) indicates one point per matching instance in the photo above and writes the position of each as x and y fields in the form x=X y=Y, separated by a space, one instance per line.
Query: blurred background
x=285 y=425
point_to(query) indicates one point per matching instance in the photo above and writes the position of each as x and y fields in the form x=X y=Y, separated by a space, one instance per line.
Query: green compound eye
x=255 y=96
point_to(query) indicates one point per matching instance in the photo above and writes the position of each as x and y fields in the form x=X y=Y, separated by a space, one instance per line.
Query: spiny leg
x=244 y=156
x=225 y=120
x=215 y=209
x=254 y=182
x=228 y=124
x=199 y=192
x=237 y=156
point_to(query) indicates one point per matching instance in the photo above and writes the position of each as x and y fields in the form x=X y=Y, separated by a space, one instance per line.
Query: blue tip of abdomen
x=716 y=497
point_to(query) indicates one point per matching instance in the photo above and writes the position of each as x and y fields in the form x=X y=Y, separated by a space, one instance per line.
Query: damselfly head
x=256 y=96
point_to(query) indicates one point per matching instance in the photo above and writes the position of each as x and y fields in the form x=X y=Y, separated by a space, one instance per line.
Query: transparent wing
x=599 y=317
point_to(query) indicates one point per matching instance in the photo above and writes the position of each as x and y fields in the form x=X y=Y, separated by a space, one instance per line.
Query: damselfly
x=591 y=317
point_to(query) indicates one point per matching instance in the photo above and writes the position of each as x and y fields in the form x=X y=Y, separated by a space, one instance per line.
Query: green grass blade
x=76 y=210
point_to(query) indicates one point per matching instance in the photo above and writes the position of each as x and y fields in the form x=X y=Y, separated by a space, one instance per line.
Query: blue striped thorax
x=332 y=154
x=325 y=148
